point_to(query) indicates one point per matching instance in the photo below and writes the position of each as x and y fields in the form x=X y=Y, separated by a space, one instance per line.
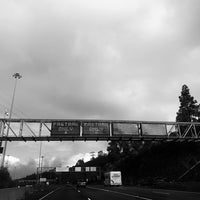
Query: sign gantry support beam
x=97 y=130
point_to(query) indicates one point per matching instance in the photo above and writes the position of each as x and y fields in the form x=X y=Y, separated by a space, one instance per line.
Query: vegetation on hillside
x=147 y=162
x=142 y=162
x=5 y=179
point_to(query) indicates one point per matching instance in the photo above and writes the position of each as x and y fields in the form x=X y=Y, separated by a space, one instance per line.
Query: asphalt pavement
x=117 y=193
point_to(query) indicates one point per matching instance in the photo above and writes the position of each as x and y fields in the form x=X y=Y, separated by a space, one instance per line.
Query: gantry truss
x=96 y=130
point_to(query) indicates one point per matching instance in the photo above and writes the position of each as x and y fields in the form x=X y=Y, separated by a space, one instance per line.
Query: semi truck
x=113 y=178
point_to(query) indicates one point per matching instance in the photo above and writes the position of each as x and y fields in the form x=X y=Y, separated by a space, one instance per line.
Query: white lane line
x=49 y=193
x=181 y=191
x=130 y=195
x=89 y=199
x=156 y=192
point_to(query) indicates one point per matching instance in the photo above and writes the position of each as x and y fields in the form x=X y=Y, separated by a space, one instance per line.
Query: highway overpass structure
x=97 y=130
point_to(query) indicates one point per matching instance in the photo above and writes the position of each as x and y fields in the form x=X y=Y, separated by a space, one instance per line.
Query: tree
x=122 y=153
x=5 y=179
x=80 y=163
x=188 y=109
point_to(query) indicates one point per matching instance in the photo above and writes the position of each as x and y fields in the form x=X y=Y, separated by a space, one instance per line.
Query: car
x=81 y=183
x=67 y=183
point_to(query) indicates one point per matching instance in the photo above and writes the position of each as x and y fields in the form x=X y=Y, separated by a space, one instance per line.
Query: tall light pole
x=42 y=163
x=16 y=76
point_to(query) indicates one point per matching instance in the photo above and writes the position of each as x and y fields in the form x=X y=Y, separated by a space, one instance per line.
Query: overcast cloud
x=108 y=59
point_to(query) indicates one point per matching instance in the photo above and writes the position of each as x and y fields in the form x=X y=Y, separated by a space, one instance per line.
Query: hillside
x=152 y=162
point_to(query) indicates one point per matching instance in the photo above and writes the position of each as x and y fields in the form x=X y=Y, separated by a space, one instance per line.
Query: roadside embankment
x=184 y=186
x=16 y=193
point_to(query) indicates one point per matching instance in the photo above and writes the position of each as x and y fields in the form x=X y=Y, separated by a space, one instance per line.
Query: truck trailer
x=113 y=178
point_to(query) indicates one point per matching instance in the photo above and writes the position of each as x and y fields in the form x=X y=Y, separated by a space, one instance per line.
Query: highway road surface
x=117 y=193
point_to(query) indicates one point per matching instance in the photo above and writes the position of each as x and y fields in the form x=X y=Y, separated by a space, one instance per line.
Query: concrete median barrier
x=14 y=193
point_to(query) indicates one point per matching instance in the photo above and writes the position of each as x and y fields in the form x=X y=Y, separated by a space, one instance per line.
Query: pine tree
x=188 y=109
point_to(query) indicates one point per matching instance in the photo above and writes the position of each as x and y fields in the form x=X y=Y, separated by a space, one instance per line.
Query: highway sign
x=65 y=128
x=62 y=169
x=99 y=130
x=154 y=129
x=124 y=129
x=96 y=128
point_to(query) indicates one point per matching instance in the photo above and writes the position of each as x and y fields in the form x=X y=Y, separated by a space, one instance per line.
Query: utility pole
x=39 y=164
x=16 y=76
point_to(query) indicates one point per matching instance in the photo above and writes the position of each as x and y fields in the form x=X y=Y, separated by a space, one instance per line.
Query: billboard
x=96 y=128
x=65 y=128
x=77 y=169
x=154 y=129
x=124 y=129
x=62 y=169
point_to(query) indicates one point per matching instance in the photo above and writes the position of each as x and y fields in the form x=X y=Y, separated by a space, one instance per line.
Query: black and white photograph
x=100 y=99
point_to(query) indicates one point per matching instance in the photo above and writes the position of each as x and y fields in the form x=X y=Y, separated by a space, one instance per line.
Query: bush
x=5 y=179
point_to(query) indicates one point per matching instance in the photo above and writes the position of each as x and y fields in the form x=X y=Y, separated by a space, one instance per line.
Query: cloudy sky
x=96 y=59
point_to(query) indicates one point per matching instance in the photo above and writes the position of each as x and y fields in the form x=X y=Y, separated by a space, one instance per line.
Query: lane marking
x=181 y=191
x=49 y=193
x=130 y=195
x=156 y=192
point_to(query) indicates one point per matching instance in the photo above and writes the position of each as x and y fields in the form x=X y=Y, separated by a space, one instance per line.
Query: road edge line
x=49 y=193
x=131 y=195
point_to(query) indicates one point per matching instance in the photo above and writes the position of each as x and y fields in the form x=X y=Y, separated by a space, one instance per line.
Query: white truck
x=113 y=178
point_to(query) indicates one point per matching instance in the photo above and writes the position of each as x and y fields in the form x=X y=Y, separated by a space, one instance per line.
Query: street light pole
x=42 y=164
x=16 y=76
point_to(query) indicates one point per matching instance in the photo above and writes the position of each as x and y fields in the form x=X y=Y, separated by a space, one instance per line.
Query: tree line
x=147 y=162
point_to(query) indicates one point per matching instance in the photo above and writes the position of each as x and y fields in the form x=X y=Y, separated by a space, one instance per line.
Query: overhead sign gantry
x=96 y=130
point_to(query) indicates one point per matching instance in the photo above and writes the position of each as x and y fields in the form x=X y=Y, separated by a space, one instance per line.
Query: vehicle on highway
x=113 y=178
x=81 y=183
x=68 y=183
